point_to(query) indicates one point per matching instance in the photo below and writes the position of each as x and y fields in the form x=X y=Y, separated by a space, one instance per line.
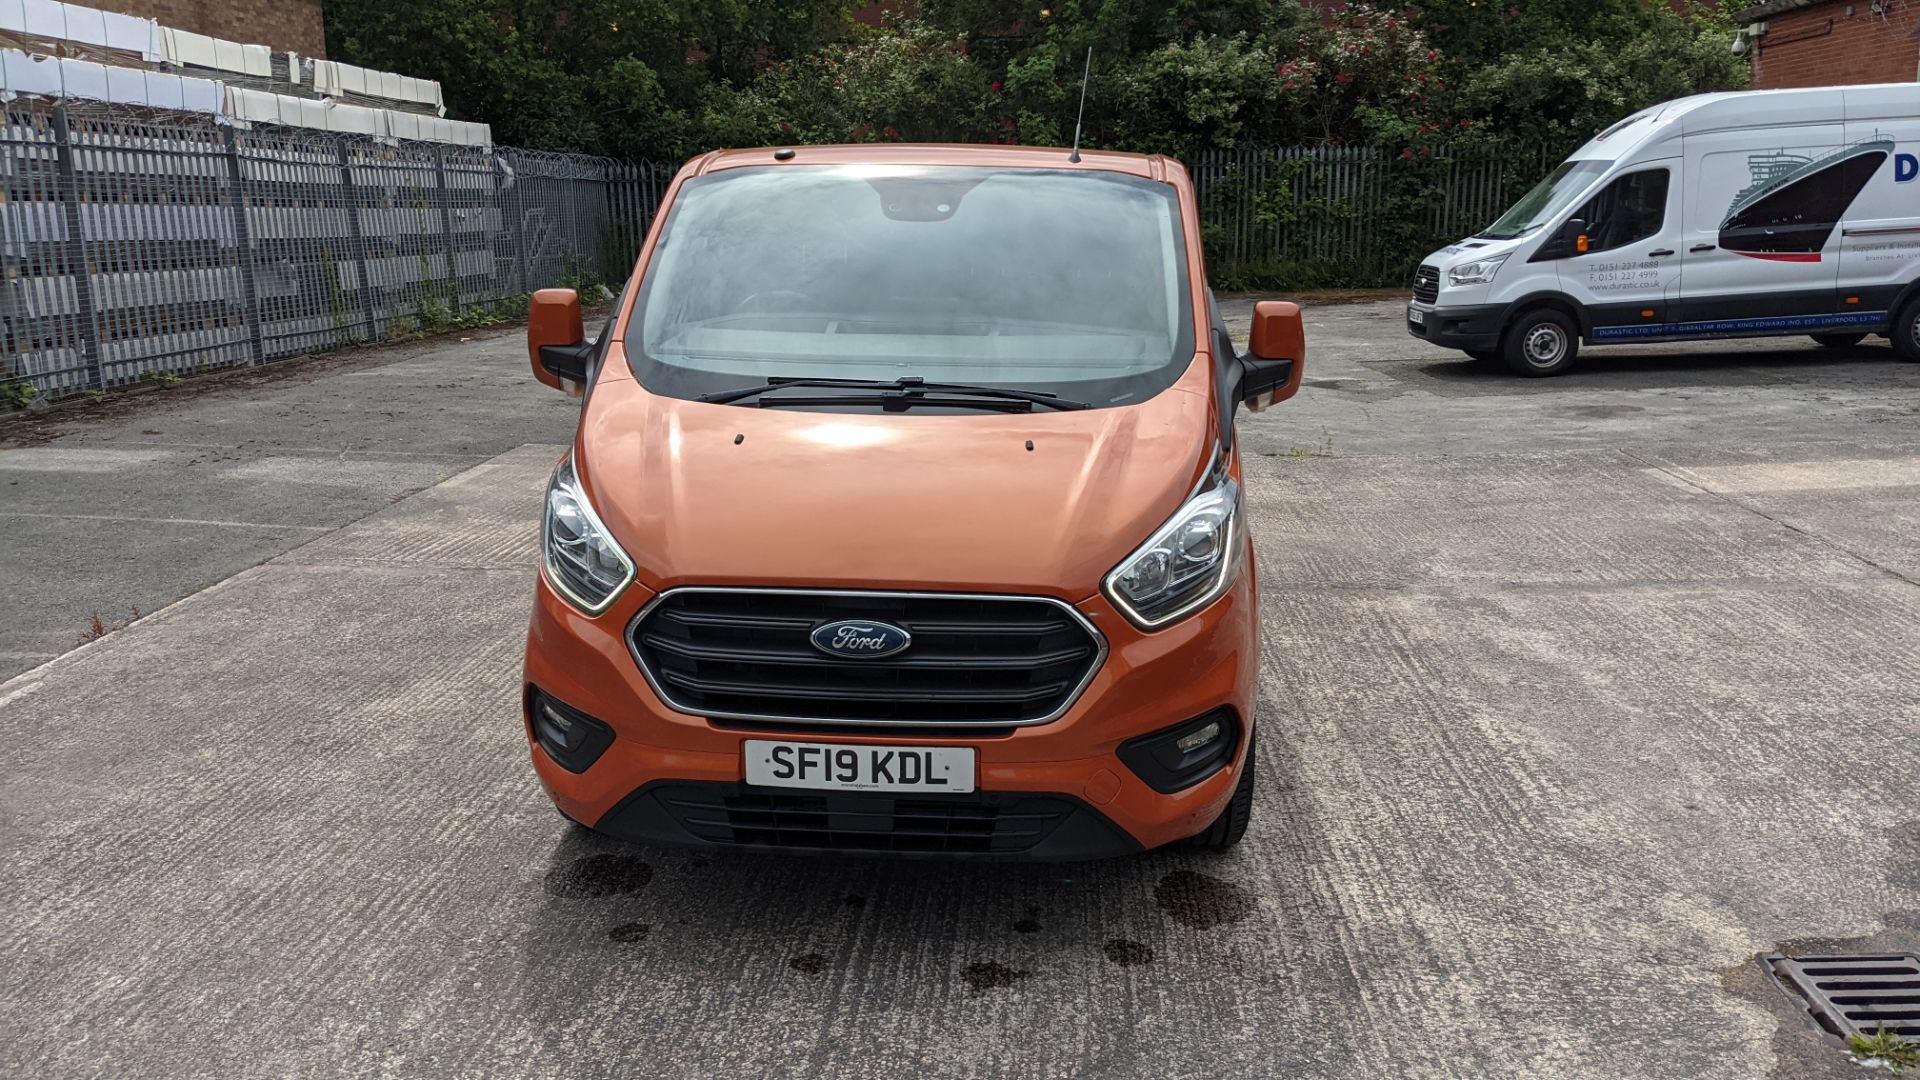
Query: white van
x=1769 y=212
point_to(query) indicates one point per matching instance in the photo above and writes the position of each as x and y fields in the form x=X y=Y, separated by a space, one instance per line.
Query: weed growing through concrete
x=98 y=628
x=164 y=378
x=17 y=395
x=1899 y=1054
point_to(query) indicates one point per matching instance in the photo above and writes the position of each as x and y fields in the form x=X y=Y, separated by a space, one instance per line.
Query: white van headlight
x=1184 y=566
x=583 y=563
x=1476 y=273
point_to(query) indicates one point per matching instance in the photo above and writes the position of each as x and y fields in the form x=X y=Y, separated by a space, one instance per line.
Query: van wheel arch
x=1565 y=305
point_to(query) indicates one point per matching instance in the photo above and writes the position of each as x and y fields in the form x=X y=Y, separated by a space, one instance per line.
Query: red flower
x=891 y=134
x=1406 y=153
x=996 y=86
x=1343 y=78
x=1433 y=54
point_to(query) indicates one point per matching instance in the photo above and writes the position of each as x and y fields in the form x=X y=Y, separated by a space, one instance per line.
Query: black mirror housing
x=1261 y=379
x=569 y=362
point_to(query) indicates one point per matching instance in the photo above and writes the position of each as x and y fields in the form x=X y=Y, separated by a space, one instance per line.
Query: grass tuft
x=1899 y=1054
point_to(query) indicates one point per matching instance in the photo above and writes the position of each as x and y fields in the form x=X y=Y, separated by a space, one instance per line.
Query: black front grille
x=983 y=823
x=974 y=661
x=1426 y=284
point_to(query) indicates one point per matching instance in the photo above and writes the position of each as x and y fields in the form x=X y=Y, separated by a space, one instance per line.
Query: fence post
x=359 y=239
x=513 y=197
x=236 y=198
x=77 y=267
x=446 y=229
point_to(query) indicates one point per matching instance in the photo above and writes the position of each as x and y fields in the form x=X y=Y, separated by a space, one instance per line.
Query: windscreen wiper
x=906 y=390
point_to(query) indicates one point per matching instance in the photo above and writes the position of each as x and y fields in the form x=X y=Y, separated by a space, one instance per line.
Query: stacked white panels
x=51 y=20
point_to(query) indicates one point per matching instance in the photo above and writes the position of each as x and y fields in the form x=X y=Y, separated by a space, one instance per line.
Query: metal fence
x=140 y=244
x=1363 y=210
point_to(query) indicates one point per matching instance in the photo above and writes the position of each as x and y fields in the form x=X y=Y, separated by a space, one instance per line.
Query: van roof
x=1792 y=94
x=1151 y=166
x=1666 y=122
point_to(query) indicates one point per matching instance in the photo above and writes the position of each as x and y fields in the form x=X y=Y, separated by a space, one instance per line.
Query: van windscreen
x=1064 y=282
x=1567 y=182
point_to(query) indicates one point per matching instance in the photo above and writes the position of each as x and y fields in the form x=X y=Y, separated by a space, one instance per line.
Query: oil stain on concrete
x=1127 y=953
x=597 y=875
x=991 y=975
x=1202 y=901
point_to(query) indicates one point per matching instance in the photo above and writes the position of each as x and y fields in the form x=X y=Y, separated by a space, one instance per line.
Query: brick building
x=1829 y=42
x=286 y=25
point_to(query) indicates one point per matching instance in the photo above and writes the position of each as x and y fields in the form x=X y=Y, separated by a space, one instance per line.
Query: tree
x=622 y=77
x=1568 y=93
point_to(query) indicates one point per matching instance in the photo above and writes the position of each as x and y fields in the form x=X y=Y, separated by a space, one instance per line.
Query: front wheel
x=1231 y=825
x=1839 y=341
x=1906 y=331
x=1541 y=342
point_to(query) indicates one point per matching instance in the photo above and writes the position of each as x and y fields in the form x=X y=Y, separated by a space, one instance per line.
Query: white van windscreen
x=1562 y=188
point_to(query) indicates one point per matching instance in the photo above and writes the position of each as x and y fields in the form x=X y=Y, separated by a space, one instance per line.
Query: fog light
x=1189 y=743
x=570 y=737
x=1181 y=756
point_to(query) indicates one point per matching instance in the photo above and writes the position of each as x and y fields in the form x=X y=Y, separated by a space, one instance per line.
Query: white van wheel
x=1540 y=342
x=1906 y=331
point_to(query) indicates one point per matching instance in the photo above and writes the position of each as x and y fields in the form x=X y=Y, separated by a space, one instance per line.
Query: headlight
x=1187 y=564
x=1476 y=273
x=583 y=562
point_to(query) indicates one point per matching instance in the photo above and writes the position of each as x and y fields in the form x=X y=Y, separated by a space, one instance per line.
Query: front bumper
x=1471 y=328
x=992 y=825
x=1147 y=682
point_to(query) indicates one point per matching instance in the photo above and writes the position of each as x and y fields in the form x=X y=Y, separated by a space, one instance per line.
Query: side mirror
x=1573 y=237
x=1276 y=356
x=555 y=341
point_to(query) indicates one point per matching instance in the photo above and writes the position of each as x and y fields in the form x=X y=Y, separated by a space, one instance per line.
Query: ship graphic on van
x=1789 y=211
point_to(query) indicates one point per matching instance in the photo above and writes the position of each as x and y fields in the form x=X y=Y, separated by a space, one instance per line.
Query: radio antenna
x=1085 y=72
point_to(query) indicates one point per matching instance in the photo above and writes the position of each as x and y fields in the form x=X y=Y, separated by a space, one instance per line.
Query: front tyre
x=1905 y=332
x=1540 y=342
x=1231 y=825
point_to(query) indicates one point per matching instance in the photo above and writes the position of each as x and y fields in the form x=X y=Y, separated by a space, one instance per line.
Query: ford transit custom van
x=904 y=514
x=1763 y=213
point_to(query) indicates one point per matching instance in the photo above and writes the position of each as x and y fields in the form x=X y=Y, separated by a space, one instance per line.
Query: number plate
x=843 y=767
x=1416 y=316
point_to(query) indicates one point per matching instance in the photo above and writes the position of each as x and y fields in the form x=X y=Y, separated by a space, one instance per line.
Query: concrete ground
x=1578 y=695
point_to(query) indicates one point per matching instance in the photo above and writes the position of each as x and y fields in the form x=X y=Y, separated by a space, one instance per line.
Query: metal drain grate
x=1857 y=995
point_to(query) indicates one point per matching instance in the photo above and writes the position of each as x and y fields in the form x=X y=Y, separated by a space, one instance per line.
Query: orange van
x=904 y=514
